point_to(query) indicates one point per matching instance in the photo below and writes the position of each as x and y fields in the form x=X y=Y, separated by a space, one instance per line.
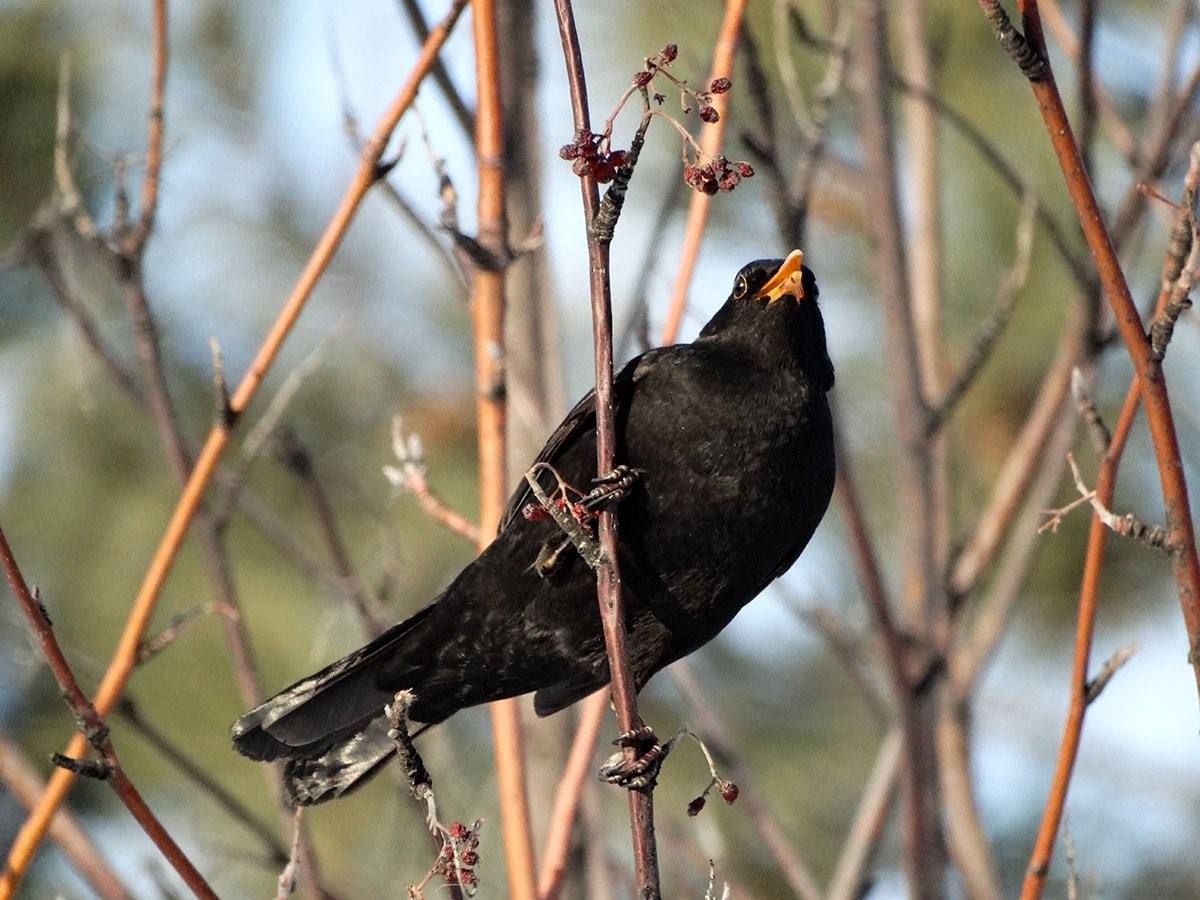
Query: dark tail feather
x=341 y=768
x=333 y=707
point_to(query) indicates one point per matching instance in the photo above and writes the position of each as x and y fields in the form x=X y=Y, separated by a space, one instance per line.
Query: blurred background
x=256 y=157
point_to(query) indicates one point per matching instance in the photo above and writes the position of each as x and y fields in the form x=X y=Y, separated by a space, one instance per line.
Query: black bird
x=732 y=441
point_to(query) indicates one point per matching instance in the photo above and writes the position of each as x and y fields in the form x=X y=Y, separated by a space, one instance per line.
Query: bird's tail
x=330 y=726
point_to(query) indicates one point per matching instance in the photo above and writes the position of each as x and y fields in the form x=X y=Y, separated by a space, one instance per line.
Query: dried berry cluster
x=589 y=154
x=729 y=793
x=719 y=174
x=465 y=841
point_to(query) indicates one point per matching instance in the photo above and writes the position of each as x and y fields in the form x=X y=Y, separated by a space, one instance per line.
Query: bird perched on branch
x=728 y=467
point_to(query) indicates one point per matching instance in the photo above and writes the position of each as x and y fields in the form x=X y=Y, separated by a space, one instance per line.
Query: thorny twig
x=456 y=865
x=1128 y=525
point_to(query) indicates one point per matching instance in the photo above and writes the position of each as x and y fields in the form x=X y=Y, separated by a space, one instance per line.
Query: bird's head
x=773 y=309
x=773 y=280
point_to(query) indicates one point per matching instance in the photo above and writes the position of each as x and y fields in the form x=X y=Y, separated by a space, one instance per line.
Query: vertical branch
x=924 y=858
x=608 y=576
x=568 y=795
x=125 y=655
x=710 y=144
x=487 y=317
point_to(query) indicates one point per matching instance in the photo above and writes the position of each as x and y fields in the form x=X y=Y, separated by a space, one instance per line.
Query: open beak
x=787 y=280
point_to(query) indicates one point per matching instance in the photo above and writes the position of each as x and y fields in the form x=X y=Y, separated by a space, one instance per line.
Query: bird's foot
x=611 y=488
x=642 y=770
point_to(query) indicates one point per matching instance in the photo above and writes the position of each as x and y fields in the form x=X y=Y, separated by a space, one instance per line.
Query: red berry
x=729 y=791
x=458 y=831
x=709 y=114
x=744 y=169
x=643 y=78
x=669 y=52
x=604 y=172
x=468 y=858
x=720 y=85
x=568 y=151
x=580 y=167
x=618 y=158
x=709 y=186
x=695 y=806
x=534 y=512
x=729 y=180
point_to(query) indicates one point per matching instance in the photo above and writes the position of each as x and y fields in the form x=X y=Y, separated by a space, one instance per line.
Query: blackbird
x=727 y=446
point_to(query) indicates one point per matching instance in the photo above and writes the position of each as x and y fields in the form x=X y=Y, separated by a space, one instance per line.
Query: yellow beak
x=787 y=280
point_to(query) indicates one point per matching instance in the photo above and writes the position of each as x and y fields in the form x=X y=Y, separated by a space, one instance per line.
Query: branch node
x=88 y=768
x=1019 y=48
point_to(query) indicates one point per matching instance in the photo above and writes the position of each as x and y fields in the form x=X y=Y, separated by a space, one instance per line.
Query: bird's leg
x=642 y=770
x=612 y=487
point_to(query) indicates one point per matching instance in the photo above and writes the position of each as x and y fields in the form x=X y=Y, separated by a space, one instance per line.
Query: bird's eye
x=740 y=287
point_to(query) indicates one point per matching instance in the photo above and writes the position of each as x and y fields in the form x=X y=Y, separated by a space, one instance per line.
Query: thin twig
x=410 y=476
x=988 y=335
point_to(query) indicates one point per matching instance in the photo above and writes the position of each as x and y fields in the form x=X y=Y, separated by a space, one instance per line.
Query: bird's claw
x=612 y=487
x=642 y=770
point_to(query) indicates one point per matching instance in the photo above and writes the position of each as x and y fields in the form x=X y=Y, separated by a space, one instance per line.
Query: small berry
x=604 y=171
x=643 y=78
x=695 y=806
x=709 y=186
x=729 y=791
x=468 y=858
x=729 y=180
x=581 y=167
x=720 y=85
x=458 y=831
x=709 y=114
x=669 y=52
x=745 y=169
x=568 y=151
x=534 y=512
x=618 y=158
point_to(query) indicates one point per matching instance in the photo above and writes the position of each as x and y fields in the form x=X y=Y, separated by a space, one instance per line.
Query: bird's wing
x=580 y=424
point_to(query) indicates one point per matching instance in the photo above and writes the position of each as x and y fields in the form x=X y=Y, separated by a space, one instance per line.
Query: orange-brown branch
x=487 y=316
x=710 y=143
